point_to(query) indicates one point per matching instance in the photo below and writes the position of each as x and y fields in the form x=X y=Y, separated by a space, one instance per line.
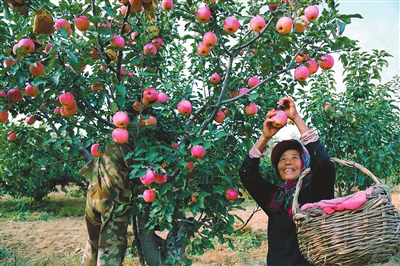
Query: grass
x=49 y=209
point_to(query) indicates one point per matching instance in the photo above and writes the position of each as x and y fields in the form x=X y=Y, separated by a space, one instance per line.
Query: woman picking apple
x=289 y=159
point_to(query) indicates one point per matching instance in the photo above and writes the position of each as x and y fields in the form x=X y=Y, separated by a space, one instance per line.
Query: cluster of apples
x=145 y=5
x=310 y=66
x=150 y=195
x=69 y=106
x=120 y=134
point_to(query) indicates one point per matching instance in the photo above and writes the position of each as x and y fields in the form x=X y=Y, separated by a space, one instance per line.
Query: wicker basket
x=370 y=234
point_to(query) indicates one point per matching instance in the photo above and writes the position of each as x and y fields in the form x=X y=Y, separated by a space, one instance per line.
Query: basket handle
x=295 y=204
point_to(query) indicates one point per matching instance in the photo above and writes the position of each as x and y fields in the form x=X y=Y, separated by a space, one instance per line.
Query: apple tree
x=185 y=85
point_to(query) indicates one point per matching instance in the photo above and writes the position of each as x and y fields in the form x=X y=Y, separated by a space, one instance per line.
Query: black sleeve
x=259 y=188
x=323 y=172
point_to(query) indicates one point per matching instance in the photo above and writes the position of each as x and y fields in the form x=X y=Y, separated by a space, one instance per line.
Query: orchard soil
x=61 y=242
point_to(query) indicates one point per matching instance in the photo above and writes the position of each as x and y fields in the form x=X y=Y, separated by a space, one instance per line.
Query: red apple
x=157 y=42
x=12 y=136
x=95 y=53
x=120 y=135
x=204 y=14
x=162 y=177
x=301 y=73
x=175 y=145
x=327 y=106
x=36 y=70
x=149 y=49
x=150 y=94
x=251 y=109
x=284 y=25
x=49 y=47
x=9 y=62
x=27 y=46
x=121 y=119
x=3 y=116
x=194 y=196
x=301 y=58
x=198 y=151
x=279 y=119
x=149 y=195
x=190 y=166
x=67 y=99
x=31 y=90
x=312 y=66
x=137 y=106
x=220 y=116
x=167 y=5
x=215 y=78
x=161 y=98
x=57 y=110
x=231 y=24
x=257 y=23
x=243 y=90
x=3 y=94
x=150 y=122
x=232 y=194
x=62 y=24
x=326 y=62
x=96 y=86
x=184 y=107
x=210 y=39
x=134 y=35
x=311 y=12
x=300 y=23
x=82 y=23
x=15 y=95
x=148 y=177
x=273 y=7
x=69 y=110
x=95 y=150
x=30 y=120
x=117 y=41
x=203 y=49
x=253 y=81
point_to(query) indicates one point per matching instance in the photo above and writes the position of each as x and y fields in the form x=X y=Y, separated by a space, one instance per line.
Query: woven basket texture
x=370 y=234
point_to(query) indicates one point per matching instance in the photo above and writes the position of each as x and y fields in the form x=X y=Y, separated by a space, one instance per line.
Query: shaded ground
x=60 y=242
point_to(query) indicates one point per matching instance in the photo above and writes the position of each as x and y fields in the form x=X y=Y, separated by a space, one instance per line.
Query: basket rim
x=353 y=164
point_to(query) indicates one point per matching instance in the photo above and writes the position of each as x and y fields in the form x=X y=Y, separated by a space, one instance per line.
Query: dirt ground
x=63 y=240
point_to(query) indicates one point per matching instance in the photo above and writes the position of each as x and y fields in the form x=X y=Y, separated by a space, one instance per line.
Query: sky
x=378 y=29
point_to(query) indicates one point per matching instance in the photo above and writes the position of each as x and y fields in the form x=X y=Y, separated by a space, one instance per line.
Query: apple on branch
x=82 y=23
x=204 y=14
x=94 y=149
x=301 y=73
x=284 y=25
x=220 y=116
x=312 y=66
x=3 y=116
x=231 y=24
x=215 y=78
x=121 y=119
x=149 y=195
x=148 y=177
x=198 y=151
x=326 y=62
x=120 y=135
x=251 y=109
x=184 y=107
x=232 y=194
x=257 y=23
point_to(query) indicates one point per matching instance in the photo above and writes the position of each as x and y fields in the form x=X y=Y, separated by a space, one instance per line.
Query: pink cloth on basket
x=351 y=202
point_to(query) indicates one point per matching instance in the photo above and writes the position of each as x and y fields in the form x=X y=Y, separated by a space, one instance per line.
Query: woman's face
x=289 y=165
